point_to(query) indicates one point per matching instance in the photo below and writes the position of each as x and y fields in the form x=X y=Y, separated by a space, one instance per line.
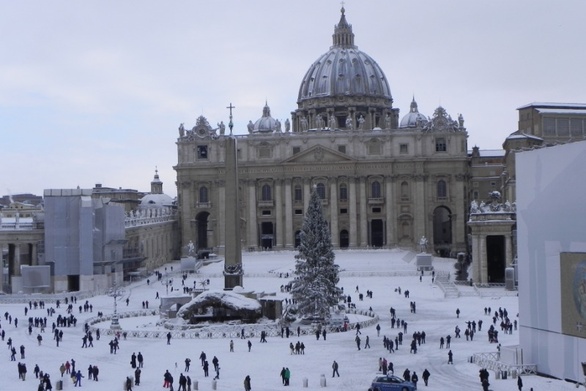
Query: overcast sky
x=94 y=91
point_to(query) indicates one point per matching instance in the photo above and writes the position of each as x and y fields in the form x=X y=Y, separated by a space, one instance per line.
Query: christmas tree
x=314 y=288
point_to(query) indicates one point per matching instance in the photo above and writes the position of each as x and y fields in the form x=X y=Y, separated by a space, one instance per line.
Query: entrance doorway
x=495 y=258
x=201 y=221
x=344 y=239
x=376 y=233
x=442 y=231
x=266 y=235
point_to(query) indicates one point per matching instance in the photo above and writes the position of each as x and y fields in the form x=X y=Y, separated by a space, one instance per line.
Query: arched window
x=442 y=189
x=404 y=190
x=375 y=190
x=321 y=190
x=343 y=192
x=203 y=194
x=266 y=193
x=298 y=194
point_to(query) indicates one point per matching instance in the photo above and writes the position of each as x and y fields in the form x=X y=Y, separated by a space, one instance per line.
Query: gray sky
x=93 y=91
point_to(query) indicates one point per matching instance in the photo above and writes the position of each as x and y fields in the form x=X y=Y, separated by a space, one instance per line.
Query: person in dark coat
x=414 y=379
x=335 y=369
x=182 y=383
x=425 y=376
x=520 y=383
x=485 y=384
x=407 y=374
x=247 y=383
x=137 y=372
x=128 y=384
x=450 y=357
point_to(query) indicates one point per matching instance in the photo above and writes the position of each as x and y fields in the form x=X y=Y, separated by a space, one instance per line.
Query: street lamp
x=115 y=292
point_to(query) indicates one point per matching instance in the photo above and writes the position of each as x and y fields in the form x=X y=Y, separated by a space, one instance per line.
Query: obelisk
x=233 y=251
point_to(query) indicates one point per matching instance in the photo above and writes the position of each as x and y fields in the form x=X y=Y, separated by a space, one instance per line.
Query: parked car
x=391 y=383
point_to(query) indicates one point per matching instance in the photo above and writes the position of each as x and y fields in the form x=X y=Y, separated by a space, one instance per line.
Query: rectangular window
x=404 y=149
x=342 y=148
x=202 y=151
x=576 y=126
x=563 y=126
x=343 y=211
x=299 y=212
x=266 y=212
x=376 y=210
x=440 y=144
x=296 y=150
x=549 y=126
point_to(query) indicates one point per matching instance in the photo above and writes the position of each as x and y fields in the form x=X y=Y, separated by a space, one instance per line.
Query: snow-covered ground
x=380 y=271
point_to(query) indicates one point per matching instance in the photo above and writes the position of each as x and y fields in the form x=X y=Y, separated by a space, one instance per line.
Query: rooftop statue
x=222 y=128
x=287 y=125
x=250 y=126
x=361 y=121
x=181 y=130
x=349 y=123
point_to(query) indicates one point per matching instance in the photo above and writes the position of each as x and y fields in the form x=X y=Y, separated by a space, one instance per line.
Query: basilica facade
x=384 y=180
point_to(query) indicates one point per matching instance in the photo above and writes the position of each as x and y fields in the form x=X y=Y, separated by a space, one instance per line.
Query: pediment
x=319 y=154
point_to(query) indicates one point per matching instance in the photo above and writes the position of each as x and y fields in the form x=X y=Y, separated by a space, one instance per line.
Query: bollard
x=195 y=386
x=214 y=384
x=322 y=380
x=504 y=375
x=305 y=382
x=59 y=384
x=497 y=375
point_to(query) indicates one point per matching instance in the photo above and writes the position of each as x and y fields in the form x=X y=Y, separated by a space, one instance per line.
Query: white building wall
x=551 y=219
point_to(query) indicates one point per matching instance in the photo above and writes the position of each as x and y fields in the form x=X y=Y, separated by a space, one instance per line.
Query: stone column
x=188 y=213
x=419 y=210
x=334 y=213
x=352 y=201
x=508 y=250
x=288 y=215
x=1 y=265
x=17 y=259
x=389 y=209
x=363 y=214
x=306 y=193
x=233 y=258
x=251 y=224
x=279 y=214
x=220 y=236
x=34 y=260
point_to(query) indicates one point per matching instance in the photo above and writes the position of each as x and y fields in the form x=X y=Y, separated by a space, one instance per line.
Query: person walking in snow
x=357 y=339
x=450 y=357
x=78 y=377
x=247 y=383
x=425 y=376
x=335 y=369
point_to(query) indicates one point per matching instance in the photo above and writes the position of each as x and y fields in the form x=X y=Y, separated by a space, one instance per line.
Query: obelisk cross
x=231 y=124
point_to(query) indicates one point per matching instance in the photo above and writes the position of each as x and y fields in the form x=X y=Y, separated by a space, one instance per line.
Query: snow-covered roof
x=563 y=111
x=156 y=200
x=521 y=135
x=227 y=299
x=552 y=105
x=489 y=152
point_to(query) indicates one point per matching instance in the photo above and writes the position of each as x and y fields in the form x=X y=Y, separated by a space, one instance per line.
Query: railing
x=209 y=331
x=491 y=361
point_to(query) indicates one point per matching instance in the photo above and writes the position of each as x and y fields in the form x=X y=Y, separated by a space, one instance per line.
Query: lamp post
x=115 y=292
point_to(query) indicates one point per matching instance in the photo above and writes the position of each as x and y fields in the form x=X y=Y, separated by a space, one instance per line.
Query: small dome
x=155 y=201
x=266 y=123
x=413 y=118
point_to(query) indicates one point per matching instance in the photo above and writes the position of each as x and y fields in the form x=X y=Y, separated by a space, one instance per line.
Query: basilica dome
x=413 y=118
x=344 y=70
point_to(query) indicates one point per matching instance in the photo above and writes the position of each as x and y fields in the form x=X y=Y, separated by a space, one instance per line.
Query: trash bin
x=59 y=385
x=305 y=382
x=214 y=384
x=195 y=385
x=322 y=380
x=504 y=375
x=497 y=375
